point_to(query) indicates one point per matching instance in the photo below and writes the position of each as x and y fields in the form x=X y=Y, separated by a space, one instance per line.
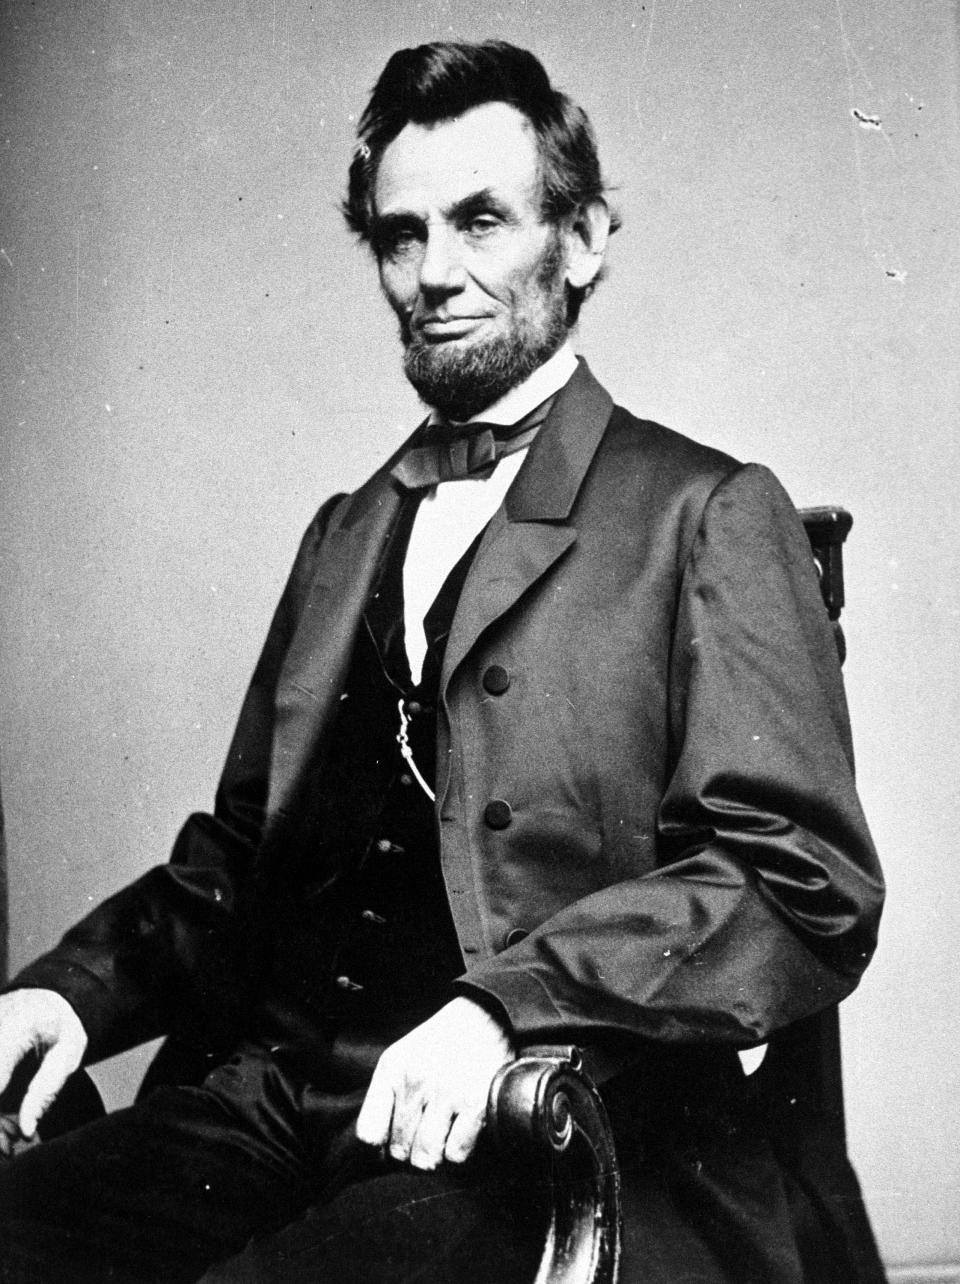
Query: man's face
x=474 y=274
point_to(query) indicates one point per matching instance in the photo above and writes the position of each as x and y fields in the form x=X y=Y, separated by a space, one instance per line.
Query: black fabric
x=706 y=1199
x=383 y=616
x=401 y=954
x=259 y=1171
x=380 y=954
x=265 y=1148
x=182 y=1180
x=158 y=1192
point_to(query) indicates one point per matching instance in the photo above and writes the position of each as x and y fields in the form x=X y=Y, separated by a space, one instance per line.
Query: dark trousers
x=182 y=1183
x=256 y=1177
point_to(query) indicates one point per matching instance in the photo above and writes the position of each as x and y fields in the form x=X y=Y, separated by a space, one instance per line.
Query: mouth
x=439 y=329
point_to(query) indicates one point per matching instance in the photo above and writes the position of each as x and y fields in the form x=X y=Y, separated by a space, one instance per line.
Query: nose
x=441 y=268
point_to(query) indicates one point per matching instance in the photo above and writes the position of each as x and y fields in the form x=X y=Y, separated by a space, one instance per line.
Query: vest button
x=414 y=707
x=498 y=813
x=496 y=679
x=388 y=848
x=514 y=937
x=345 y=983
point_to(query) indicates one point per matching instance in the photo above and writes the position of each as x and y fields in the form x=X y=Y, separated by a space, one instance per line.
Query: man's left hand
x=428 y=1095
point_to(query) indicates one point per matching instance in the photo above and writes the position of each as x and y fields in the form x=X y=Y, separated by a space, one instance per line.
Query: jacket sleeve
x=168 y=951
x=764 y=903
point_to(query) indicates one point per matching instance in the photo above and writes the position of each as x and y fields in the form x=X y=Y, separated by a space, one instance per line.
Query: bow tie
x=443 y=452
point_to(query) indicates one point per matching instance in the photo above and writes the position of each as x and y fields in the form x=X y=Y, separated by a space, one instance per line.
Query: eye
x=397 y=240
x=481 y=225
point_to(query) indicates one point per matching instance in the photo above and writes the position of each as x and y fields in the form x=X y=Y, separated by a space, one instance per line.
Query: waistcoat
x=374 y=950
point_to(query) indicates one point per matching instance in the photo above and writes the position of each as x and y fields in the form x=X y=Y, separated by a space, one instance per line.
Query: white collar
x=536 y=388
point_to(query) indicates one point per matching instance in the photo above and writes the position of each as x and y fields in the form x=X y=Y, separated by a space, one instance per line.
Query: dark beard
x=462 y=383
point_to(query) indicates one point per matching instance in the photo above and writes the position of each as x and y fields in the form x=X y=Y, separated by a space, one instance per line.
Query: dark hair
x=444 y=79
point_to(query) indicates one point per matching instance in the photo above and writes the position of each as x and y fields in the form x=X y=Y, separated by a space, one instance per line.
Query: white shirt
x=452 y=514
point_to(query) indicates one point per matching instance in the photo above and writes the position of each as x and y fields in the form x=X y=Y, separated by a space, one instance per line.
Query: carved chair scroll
x=545 y=1106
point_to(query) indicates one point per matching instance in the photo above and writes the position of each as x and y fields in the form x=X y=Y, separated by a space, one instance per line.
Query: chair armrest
x=545 y=1108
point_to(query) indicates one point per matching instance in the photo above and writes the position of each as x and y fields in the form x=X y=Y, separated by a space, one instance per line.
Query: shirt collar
x=536 y=388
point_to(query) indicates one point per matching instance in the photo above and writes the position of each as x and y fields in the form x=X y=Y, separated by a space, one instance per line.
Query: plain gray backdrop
x=194 y=354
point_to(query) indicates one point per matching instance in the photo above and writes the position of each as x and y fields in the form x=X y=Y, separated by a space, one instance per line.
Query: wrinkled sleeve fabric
x=168 y=952
x=764 y=904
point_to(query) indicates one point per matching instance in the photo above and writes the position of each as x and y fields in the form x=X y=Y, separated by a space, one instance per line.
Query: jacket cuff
x=85 y=993
x=484 y=999
x=517 y=995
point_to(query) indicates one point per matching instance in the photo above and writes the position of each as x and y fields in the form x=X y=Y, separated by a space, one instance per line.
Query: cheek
x=399 y=285
x=523 y=280
x=509 y=284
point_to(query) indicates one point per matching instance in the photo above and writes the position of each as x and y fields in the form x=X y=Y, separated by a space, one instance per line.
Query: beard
x=461 y=381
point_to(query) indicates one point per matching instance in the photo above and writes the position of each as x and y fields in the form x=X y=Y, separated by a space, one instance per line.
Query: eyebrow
x=477 y=203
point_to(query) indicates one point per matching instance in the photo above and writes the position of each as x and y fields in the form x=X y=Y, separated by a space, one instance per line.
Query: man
x=547 y=742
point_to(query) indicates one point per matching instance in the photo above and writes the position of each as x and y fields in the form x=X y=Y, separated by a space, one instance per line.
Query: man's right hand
x=40 y=1021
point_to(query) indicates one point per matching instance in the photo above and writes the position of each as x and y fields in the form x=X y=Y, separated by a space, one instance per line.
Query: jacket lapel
x=532 y=530
x=526 y=537
x=315 y=669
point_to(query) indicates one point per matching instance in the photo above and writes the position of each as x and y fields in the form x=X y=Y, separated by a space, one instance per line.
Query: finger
x=56 y=1067
x=376 y=1113
x=463 y=1136
x=407 y=1114
x=9 y=1135
x=12 y=1053
x=431 y=1135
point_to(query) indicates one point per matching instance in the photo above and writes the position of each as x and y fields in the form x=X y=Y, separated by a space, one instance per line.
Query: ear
x=585 y=240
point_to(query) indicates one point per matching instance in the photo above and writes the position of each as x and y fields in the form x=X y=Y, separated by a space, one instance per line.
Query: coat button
x=414 y=707
x=496 y=679
x=498 y=814
x=514 y=937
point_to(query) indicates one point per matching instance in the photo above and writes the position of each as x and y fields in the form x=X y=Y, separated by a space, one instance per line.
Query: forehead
x=492 y=146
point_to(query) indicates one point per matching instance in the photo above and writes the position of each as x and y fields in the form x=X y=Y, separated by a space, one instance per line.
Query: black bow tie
x=445 y=452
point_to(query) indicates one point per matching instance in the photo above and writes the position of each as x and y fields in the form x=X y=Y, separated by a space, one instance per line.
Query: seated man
x=547 y=742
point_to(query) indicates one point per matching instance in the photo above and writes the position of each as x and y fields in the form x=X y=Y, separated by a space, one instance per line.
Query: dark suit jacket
x=676 y=849
x=649 y=831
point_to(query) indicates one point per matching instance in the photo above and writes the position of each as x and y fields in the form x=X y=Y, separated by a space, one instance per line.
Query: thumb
x=55 y=1068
